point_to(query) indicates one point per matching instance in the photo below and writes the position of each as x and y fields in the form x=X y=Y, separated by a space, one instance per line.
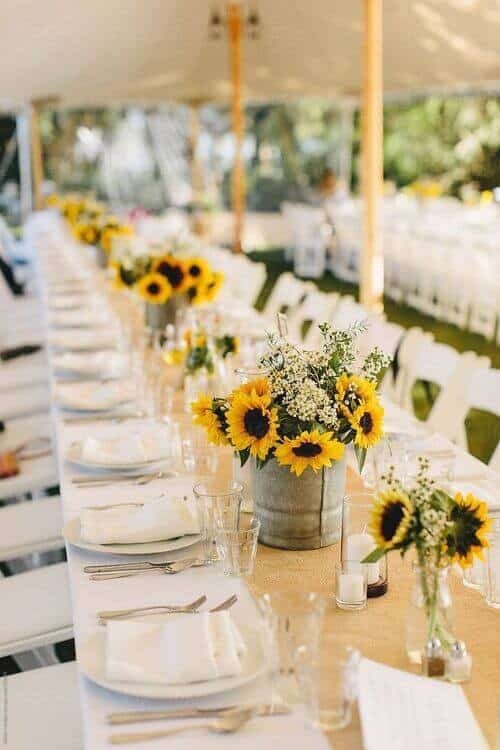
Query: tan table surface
x=379 y=631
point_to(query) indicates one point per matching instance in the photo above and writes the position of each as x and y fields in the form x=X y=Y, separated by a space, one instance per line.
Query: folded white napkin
x=93 y=395
x=185 y=649
x=155 y=521
x=99 y=339
x=151 y=444
x=68 y=301
x=93 y=363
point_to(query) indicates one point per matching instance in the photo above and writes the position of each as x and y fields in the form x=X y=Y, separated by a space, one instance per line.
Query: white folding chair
x=30 y=527
x=483 y=393
x=43 y=709
x=36 y=612
x=431 y=362
x=450 y=408
x=286 y=294
x=37 y=473
x=409 y=345
x=316 y=308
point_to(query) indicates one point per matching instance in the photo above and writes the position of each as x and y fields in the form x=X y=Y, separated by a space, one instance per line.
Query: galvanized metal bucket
x=159 y=316
x=298 y=512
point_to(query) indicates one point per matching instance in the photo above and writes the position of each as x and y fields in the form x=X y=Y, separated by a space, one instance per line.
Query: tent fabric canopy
x=119 y=51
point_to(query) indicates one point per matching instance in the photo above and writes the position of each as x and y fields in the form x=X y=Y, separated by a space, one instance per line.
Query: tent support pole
x=235 y=27
x=372 y=260
x=36 y=158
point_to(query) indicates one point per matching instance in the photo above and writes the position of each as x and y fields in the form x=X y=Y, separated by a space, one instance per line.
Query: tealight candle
x=358 y=547
x=351 y=585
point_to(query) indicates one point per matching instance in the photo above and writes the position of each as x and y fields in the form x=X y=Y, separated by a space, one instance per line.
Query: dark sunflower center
x=307 y=450
x=256 y=423
x=174 y=274
x=154 y=288
x=392 y=517
x=366 y=423
x=194 y=271
x=467 y=525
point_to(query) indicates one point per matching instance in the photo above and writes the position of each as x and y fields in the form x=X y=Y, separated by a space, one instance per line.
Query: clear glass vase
x=430 y=612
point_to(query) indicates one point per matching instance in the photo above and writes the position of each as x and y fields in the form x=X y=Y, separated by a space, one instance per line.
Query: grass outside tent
x=483 y=429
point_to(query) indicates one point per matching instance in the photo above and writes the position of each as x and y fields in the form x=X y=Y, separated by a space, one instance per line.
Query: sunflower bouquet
x=305 y=408
x=189 y=278
x=442 y=528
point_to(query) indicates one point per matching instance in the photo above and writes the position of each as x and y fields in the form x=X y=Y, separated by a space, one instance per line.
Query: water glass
x=351 y=584
x=493 y=558
x=328 y=679
x=237 y=544
x=292 y=621
x=216 y=500
x=200 y=458
x=389 y=453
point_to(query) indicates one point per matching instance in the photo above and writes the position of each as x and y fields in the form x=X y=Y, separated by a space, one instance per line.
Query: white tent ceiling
x=91 y=52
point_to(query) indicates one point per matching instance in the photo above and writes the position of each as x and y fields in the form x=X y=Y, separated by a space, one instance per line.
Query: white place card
x=401 y=710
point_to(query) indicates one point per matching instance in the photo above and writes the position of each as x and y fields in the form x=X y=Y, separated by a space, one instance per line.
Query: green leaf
x=361 y=456
x=374 y=556
x=244 y=456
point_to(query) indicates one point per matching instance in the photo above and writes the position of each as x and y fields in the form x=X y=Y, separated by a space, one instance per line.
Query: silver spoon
x=226 y=724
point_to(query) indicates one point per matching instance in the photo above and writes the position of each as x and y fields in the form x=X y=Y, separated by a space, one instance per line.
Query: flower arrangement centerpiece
x=169 y=281
x=293 y=424
x=442 y=528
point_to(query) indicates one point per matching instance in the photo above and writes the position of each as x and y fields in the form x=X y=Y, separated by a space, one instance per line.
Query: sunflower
x=390 y=519
x=89 y=235
x=118 y=282
x=314 y=449
x=470 y=525
x=259 y=386
x=154 y=288
x=212 y=288
x=174 y=270
x=252 y=423
x=198 y=270
x=349 y=386
x=206 y=417
x=367 y=421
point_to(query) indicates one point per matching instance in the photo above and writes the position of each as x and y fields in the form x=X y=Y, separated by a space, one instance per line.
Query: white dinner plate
x=74 y=455
x=92 y=662
x=72 y=534
x=115 y=400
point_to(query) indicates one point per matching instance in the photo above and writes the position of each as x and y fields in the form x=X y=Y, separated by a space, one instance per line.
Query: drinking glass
x=327 y=677
x=292 y=621
x=390 y=453
x=199 y=456
x=493 y=557
x=357 y=542
x=237 y=545
x=215 y=500
x=351 y=582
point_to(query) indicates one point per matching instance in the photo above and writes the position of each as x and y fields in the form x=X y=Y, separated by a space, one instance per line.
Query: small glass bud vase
x=430 y=613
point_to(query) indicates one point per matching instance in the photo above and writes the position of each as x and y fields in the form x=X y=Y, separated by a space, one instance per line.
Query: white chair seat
x=23 y=372
x=37 y=473
x=44 y=709
x=30 y=527
x=25 y=401
x=36 y=609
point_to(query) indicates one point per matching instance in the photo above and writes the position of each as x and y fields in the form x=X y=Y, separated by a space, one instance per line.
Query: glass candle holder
x=357 y=542
x=493 y=563
x=351 y=584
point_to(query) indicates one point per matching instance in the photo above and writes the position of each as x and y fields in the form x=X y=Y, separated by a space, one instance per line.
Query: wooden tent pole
x=235 y=28
x=372 y=260
x=36 y=157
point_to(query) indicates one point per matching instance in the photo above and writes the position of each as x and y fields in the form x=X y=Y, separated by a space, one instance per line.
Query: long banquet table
x=379 y=631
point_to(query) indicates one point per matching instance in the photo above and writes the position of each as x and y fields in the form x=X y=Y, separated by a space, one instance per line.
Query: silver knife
x=140 y=565
x=131 y=717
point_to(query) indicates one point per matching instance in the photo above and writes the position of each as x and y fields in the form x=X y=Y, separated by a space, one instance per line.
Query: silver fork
x=135 y=479
x=119 y=614
x=112 y=614
x=166 y=568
